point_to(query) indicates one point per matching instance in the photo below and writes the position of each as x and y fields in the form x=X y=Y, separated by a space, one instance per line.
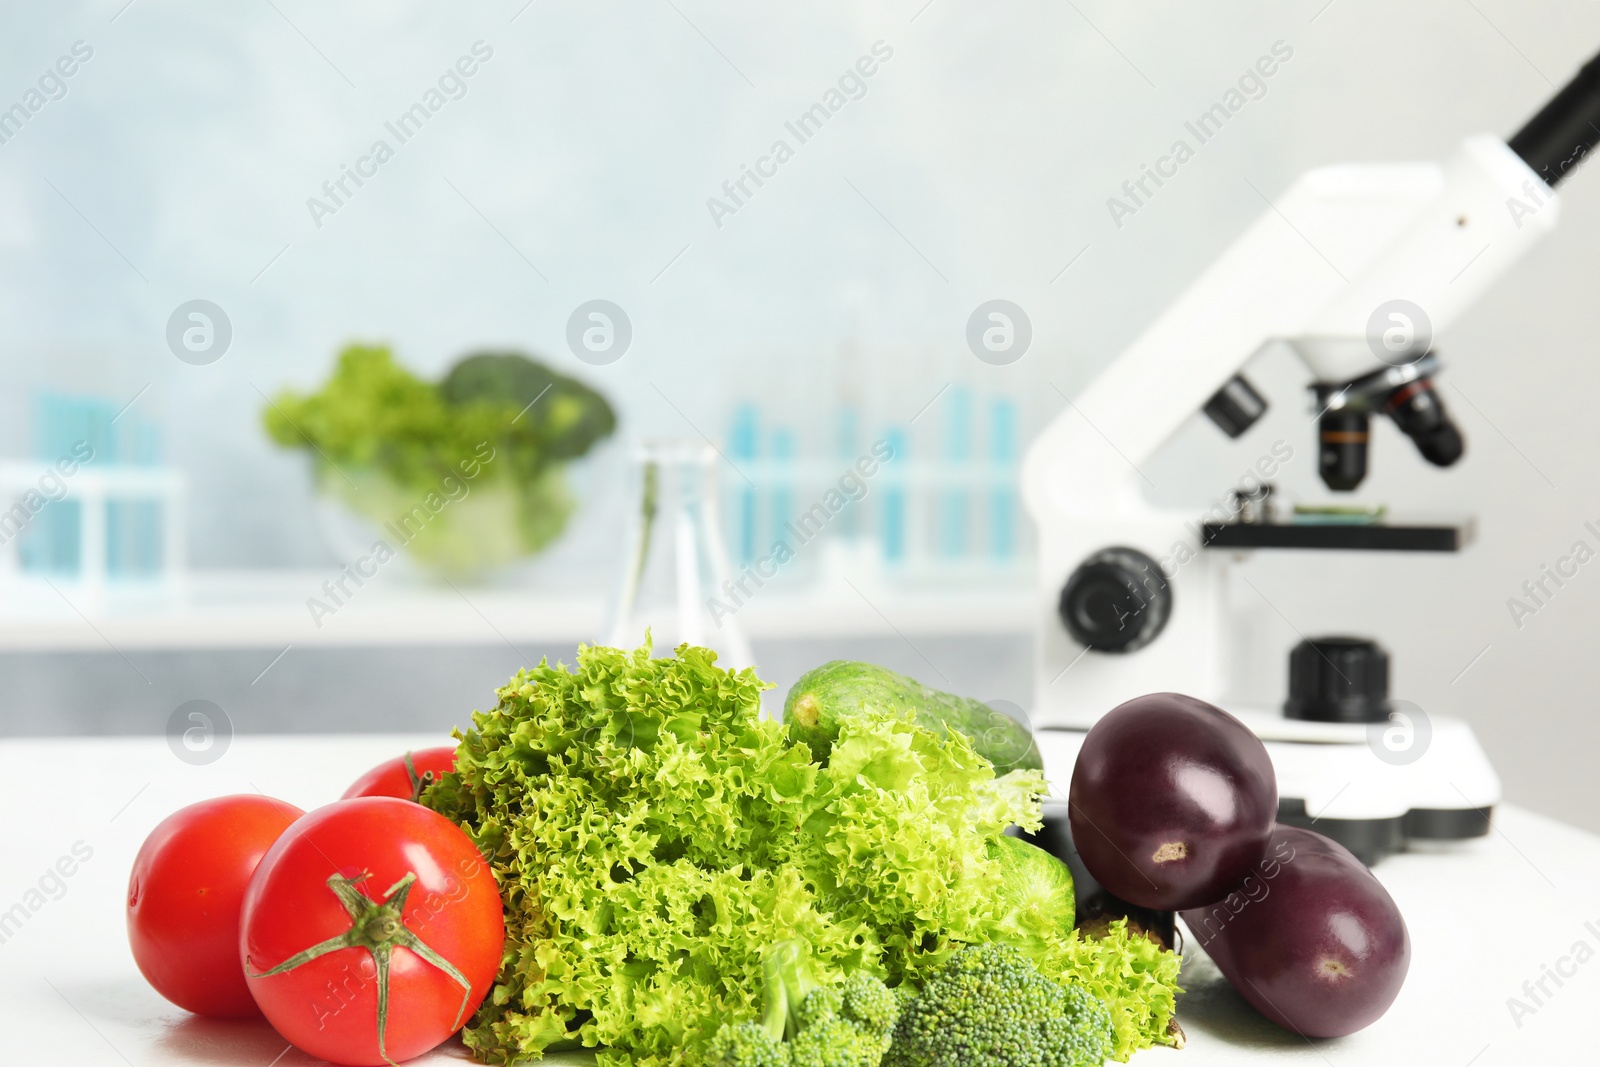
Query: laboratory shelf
x=231 y=609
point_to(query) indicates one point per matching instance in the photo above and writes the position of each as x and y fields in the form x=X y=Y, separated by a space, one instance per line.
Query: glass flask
x=674 y=567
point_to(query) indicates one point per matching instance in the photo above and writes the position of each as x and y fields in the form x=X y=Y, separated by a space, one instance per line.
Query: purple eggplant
x=1172 y=801
x=1310 y=938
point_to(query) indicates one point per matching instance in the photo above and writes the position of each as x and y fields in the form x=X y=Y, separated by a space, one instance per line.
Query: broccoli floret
x=990 y=1007
x=870 y=1005
x=846 y=1024
x=837 y=1042
x=746 y=1044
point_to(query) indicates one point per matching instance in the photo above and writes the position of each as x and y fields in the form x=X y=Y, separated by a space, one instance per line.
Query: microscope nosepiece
x=1406 y=394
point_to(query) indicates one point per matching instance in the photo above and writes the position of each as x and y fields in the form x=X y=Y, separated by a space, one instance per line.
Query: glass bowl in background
x=467 y=530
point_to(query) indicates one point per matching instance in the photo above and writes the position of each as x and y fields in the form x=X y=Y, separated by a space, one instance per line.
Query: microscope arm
x=1311 y=270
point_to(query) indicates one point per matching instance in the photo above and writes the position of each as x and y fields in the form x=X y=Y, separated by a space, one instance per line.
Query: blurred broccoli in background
x=567 y=417
x=468 y=472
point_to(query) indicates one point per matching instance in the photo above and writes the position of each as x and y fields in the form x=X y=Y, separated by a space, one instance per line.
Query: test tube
x=955 y=498
x=1002 y=475
x=782 y=478
x=742 y=445
x=892 y=517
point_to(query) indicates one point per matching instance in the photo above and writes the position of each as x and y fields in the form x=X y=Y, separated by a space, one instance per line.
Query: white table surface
x=1484 y=919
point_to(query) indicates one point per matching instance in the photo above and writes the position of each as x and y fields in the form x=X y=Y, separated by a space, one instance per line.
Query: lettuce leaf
x=652 y=835
x=1131 y=972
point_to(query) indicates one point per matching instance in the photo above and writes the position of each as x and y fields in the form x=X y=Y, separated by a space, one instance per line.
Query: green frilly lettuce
x=652 y=836
x=1135 y=976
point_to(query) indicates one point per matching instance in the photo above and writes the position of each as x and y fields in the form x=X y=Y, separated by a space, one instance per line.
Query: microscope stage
x=1370 y=537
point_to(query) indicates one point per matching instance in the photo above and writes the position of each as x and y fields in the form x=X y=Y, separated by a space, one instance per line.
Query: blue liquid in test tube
x=742 y=444
x=63 y=423
x=893 y=515
x=1003 y=466
x=783 y=457
x=847 y=449
x=955 y=503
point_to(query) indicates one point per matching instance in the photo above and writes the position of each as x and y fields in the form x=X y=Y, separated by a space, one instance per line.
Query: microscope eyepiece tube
x=1555 y=140
x=1236 y=406
x=1420 y=414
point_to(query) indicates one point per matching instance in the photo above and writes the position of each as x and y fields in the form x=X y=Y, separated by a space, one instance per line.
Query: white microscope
x=1356 y=267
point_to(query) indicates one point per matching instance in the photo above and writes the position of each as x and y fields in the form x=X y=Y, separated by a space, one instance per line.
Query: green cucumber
x=826 y=695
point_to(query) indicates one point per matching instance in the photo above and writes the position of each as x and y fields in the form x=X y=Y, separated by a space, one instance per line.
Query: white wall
x=990 y=141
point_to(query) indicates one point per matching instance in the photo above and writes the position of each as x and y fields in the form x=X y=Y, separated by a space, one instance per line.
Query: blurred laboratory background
x=267 y=270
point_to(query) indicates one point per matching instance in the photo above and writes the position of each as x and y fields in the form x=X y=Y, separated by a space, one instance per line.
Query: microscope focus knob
x=1116 y=601
x=1338 y=679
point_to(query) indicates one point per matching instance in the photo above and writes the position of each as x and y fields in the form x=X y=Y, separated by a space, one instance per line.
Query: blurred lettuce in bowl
x=466 y=474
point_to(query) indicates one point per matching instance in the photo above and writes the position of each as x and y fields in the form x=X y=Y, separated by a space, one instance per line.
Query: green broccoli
x=808 y=1024
x=990 y=1007
x=747 y=1044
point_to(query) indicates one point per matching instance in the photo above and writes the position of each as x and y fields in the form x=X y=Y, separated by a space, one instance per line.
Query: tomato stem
x=377 y=926
x=418 y=782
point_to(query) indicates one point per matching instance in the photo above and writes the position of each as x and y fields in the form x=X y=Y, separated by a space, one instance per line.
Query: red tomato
x=371 y=931
x=404 y=776
x=184 y=895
